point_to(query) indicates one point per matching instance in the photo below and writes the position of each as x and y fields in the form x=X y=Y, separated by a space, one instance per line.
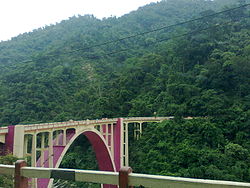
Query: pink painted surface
x=117 y=144
x=101 y=152
x=57 y=150
x=9 y=139
x=104 y=131
x=109 y=128
x=42 y=182
x=70 y=133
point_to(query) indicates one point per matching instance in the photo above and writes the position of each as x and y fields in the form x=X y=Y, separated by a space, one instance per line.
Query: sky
x=20 y=16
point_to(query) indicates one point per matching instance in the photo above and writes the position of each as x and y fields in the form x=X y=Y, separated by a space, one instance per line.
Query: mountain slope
x=200 y=68
x=68 y=76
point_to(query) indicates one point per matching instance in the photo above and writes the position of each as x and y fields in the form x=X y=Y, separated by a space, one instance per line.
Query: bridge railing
x=124 y=178
x=3 y=130
x=147 y=118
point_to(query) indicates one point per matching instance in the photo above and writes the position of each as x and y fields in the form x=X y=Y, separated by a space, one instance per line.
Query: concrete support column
x=101 y=129
x=18 y=141
x=25 y=146
x=126 y=145
x=122 y=144
x=64 y=137
x=33 y=158
x=42 y=149
x=140 y=128
x=107 y=133
x=112 y=140
x=51 y=149
x=33 y=152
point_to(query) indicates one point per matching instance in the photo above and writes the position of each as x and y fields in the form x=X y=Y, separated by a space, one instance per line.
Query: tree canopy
x=139 y=64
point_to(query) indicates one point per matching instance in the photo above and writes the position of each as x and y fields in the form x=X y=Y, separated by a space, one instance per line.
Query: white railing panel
x=7 y=169
x=36 y=172
x=103 y=177
x=155 y=181
x=97 y=177
x=3 y=130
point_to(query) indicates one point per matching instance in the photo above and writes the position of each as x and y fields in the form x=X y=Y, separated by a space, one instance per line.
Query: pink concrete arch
x=103 y=155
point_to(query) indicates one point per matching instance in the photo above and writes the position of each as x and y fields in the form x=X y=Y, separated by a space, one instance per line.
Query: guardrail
x=125 y=178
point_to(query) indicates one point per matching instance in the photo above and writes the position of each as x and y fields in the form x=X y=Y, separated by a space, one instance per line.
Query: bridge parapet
x=47 y=127
x=67 y=124
x=146 y=119
x=70 y=124
x=131 y=179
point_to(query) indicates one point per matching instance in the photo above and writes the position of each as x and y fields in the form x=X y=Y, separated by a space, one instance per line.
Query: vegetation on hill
x=6 y=181
x=69 y=76
x=200 y=68
x=198 y=148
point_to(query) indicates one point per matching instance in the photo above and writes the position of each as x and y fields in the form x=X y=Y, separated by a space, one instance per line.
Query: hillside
x=116 y=67
x=65 y=78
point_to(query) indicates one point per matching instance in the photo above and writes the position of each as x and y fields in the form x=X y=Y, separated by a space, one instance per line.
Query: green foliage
x=8 y=159
x=7 y=181
x=202 y=74
x=195 y=148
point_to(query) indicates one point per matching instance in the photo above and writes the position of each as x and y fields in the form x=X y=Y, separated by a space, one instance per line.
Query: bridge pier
x=125 y=145
x=51 y=153
x=33 y=151
x=18 y=141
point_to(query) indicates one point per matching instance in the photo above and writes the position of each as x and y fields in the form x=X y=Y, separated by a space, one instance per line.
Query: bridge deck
x=72 y=124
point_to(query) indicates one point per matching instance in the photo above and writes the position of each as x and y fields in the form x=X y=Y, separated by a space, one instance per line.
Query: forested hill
x=71 y=70
x=151 y=60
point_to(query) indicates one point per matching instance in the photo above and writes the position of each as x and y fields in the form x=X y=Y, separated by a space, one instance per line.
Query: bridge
x=47 y=143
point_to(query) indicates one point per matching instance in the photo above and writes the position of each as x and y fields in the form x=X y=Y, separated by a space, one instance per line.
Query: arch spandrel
x=100 y=147
x=98 y=143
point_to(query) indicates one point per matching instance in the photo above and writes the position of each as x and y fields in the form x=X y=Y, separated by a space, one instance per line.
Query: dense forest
x=151 y=60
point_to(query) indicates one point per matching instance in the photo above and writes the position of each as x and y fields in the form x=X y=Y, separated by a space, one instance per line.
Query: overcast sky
x=19 y=16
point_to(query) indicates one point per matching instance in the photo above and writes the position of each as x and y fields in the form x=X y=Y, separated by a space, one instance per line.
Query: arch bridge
x=47 y=143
